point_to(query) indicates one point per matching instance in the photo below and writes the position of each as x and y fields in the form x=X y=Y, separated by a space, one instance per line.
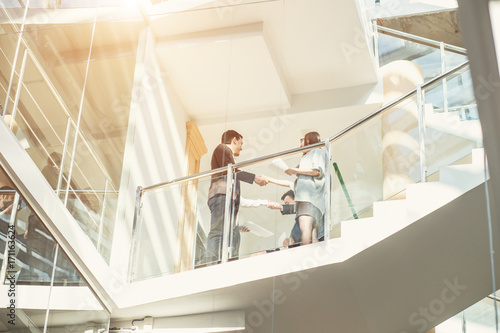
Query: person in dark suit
x=231 y=145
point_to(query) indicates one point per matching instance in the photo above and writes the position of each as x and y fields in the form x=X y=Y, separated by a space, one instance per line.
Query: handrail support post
x=421 y=132
x=227 y=214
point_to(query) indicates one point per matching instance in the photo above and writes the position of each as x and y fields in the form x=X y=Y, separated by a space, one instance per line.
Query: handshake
x=261 y=180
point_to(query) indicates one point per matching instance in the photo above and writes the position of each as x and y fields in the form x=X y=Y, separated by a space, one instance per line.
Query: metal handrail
x=316 y=145
x=236 y=165
x=405 y=35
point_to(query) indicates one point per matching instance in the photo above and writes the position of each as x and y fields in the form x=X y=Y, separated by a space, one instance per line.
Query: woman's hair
x=311 y=138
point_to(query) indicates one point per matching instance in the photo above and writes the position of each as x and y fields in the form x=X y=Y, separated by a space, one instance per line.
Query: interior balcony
x=375 y=252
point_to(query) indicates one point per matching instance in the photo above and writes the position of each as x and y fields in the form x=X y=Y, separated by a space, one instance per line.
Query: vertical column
x=186 y=232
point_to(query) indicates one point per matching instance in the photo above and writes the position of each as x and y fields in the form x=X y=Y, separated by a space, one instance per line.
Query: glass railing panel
x=478 y=318
x=35 y=251
x=263 y=226
x=429 y=57
x=357 y=172
x=481 y=316
x=47 y=127
x=400 y=147
x=26 y=246
x=453 y=94
x=207 y=244
x=453 y=59
x=8 y=43
x=108 y=94
x=452 y=128
x=190 y=215
x=393 y=48
x=95 y=209
x=10 y=80
x=169 y=229
x=91 y=198
x=43 y=126
x=60 y=56
x=76 y=309
x=35 y=264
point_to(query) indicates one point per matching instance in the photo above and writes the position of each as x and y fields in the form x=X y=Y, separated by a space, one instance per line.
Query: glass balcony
x=193 y=222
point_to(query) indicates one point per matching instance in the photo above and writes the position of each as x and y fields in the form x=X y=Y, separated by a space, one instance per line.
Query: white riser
x=421 y=200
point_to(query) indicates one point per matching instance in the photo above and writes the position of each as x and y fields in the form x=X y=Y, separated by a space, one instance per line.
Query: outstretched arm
x=280 y=182
x=306 y=172
x=244 y=202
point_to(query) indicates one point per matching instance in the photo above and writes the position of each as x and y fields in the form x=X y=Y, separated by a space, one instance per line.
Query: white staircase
x=421 y=200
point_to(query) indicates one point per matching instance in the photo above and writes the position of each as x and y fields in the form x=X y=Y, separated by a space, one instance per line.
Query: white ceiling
x=223 y=70
x=256 y=57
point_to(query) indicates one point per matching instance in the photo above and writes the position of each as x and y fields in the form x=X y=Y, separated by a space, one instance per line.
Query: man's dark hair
x=229 y=135
x=288 y=194
x=311 y=138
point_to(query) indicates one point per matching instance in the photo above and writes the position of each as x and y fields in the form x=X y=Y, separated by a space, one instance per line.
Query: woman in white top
x=310 y=191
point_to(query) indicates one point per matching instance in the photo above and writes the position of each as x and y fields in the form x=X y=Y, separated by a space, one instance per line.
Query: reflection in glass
x=37 y=265
x=35 y=250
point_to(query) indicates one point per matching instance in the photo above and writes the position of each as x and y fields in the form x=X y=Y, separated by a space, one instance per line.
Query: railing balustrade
x=376 y=157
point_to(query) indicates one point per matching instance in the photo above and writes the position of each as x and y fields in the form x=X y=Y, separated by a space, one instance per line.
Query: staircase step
x=431 y=196
x=394 y=215
x=383 y=209
x=478 y=156
x=360 y=234
x=463 y=177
